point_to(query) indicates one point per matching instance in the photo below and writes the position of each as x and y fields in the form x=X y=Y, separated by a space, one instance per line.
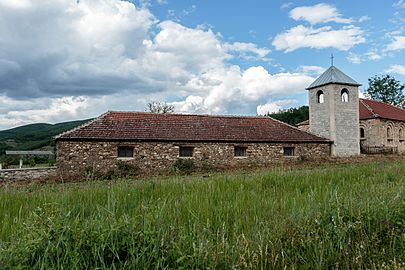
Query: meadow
x=337 y=216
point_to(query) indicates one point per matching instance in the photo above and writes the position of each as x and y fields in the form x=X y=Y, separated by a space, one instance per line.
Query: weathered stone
x=27 y=174
x=336 y=120
x=375 y=133
x=157 y=157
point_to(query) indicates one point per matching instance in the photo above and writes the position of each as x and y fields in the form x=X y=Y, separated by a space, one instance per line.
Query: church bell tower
x=334 y=111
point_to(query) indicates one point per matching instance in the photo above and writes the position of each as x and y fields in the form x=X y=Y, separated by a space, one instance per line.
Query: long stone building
x=154 y=142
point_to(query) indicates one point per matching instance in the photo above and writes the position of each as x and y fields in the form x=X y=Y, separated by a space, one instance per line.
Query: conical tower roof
x=333 y=75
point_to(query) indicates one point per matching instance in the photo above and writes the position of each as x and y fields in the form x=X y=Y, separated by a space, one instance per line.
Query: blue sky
x=71 y=59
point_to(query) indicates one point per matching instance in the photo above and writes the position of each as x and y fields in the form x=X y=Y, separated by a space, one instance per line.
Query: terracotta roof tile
x=182 y=127
x=373 y=109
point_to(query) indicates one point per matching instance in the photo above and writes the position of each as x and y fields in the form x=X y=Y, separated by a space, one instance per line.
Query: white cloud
x=311 y=70
x=399 y=4
x=80 y=59
x=354 y=58
x=364 y=18
x=246 y=48
x=374 y=55
x=320 y=13
x=319 y=38
x=396 y=69
x=235 y=91
x=273 y=107
x=398 y=43
x=40 y=110
x=286 y=5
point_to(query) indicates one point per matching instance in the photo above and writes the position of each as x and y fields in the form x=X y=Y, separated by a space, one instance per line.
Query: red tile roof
x=373 y=109
x=180 y=127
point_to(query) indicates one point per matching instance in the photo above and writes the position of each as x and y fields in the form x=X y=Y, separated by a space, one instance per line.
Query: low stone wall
x=74 y=157
x=27 y=174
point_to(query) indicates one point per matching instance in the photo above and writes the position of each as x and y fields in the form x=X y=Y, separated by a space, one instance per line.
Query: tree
x=158 y=107
x=386 y=89
x=292 y=116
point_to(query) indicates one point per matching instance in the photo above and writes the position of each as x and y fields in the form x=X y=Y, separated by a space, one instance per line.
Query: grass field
x=343 y=217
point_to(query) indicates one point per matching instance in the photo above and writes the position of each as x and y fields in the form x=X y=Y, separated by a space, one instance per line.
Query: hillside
x=33 y=136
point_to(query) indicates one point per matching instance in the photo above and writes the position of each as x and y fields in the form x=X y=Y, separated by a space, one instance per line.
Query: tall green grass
x=341 y=217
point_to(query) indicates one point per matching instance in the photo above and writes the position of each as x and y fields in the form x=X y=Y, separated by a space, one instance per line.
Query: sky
x=63 y=60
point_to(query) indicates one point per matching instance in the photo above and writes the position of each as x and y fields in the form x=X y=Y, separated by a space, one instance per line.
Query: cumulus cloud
x=38 y=110
x=319 y=38
x=396 y=69
x=320 y=13
x=374 y=55
x=234 y=90
x=247 y=50
x=69 y=60
x=273 y=107
x=397 y=43
x=354 y=58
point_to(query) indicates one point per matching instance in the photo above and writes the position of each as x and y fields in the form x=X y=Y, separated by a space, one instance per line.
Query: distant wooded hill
x=292 y=116
x=33 y=136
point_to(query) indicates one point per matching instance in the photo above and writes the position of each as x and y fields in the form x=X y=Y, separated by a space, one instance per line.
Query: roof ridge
x=368 y=107
x=197 y=114
x=81 y=126
x=384 y=103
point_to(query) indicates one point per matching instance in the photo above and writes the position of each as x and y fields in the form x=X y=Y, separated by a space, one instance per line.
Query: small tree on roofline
x=158 y=107
x=386 y=89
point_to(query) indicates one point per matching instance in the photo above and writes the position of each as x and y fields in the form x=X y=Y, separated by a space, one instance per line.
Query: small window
x=389 y=134
x=125 y=151
x=320 y=97
x=186 y=151
x=401 y=135
x=289 y=151
x=240 y=151
x=344 y=95
x=362 y=134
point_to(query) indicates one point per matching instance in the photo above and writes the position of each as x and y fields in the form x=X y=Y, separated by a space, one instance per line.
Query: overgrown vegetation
x=183 y=166
x=342 y=217
x=121 y=170
x=292 y=116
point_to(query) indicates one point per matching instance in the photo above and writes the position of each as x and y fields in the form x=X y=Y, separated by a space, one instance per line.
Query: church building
x=354 y=125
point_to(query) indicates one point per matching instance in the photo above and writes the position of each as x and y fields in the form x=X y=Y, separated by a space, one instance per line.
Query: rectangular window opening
x=125 y=151
x=240 y=151
x=289 y=151
x=186 y=151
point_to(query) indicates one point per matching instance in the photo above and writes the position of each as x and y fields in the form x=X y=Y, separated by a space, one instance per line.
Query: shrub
x=185 y=166
x=125 y=169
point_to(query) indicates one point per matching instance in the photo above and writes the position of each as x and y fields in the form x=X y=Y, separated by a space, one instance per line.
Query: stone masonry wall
x=156 y=157
x=375 y=133
x=27 y=174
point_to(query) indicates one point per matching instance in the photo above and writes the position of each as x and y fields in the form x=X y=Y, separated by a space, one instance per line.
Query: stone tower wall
x=336 y=120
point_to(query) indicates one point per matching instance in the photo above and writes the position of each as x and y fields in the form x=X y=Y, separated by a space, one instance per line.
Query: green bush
x=122 y=170
x=125 y=169
x=184 y=166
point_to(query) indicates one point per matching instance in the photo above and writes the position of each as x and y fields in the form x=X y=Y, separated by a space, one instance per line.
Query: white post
x=21 y=163
x=1 y=167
